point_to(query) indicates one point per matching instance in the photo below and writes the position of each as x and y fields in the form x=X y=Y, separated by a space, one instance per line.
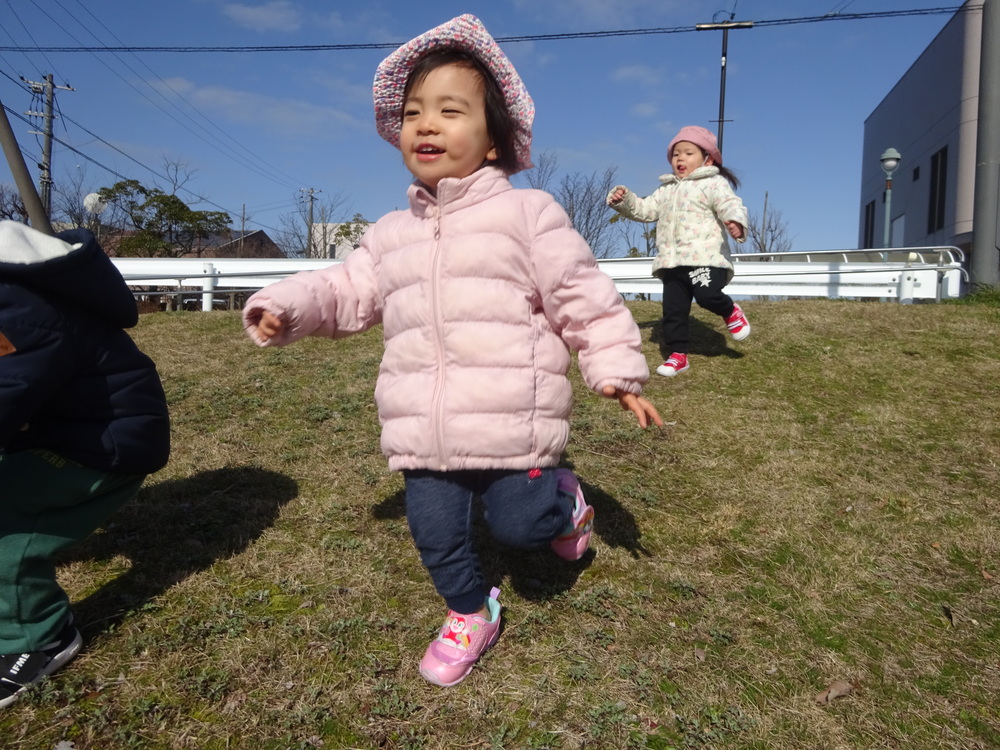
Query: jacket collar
x=454 y=193
x=698 y=174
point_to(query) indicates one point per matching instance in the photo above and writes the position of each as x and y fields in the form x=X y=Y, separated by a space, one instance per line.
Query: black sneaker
x=17 y=671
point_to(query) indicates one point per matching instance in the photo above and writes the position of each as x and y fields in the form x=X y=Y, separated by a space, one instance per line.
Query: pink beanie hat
x=700 y=137
x=468 y=34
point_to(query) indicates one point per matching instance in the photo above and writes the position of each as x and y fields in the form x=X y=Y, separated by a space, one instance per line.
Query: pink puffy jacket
x=480 y=290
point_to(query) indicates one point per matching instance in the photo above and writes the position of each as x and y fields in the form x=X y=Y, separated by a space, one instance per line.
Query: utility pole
x=725 y=50
x=310 y=192
x=22 y=178
x=48 y=88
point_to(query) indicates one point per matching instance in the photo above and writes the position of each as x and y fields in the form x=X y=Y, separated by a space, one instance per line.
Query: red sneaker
x=675 y=363
x=738 y=325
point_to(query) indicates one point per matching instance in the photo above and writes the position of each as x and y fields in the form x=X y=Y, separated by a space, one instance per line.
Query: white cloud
x=600 y=14
x=282 y=118
x=645 y=110
x=642 y=75
x=277 y=15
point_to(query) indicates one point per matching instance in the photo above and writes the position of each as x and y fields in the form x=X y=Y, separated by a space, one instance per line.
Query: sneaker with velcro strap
x=18 y=671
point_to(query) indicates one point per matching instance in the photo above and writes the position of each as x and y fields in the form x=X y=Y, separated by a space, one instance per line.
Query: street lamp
x=725 y=51
x=890 y=162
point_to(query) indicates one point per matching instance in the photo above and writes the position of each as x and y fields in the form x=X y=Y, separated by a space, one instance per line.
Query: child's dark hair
x=499 y=123
x=723 y=171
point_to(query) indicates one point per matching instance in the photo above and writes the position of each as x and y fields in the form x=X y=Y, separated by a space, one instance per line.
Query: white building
x=930 y=117
x=327 y=244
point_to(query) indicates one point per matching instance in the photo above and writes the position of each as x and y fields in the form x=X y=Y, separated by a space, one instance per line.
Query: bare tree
x=540 y=176
x=768 y=233
x=584 y=198
x=178 y=174
x=295 y=235
x=67 y=199
x=11 y=205
x=638 y=237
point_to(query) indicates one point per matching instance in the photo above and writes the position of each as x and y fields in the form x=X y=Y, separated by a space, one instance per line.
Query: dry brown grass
x=822 y=506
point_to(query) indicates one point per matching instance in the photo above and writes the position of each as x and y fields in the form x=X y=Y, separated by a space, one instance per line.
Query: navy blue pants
x=680 y=286
x=522 y=512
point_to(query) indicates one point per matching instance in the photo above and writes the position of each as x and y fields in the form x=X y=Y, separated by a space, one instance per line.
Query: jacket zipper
x=439 y=340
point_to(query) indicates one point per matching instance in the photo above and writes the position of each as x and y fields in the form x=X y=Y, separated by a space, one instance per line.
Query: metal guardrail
x=932 y=273
x=902 y=274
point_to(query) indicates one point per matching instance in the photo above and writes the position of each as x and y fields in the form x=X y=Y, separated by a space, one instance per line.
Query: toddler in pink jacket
x=482 y=291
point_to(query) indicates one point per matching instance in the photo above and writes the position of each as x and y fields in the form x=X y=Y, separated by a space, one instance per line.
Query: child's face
x=444 y=130
x=687 y=157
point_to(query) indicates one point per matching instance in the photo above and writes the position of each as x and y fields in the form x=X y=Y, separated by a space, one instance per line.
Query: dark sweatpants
x=682 y=284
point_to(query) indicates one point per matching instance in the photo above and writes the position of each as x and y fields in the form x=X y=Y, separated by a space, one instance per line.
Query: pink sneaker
x=676 y=363
x=738 y=325
x=573 y=542
x=462 y=640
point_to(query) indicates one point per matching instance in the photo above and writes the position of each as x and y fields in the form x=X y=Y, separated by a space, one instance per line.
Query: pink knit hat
x=700 y=137
x=465 y=33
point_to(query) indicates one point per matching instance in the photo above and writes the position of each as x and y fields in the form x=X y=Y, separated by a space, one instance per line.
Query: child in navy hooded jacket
x=83 y=421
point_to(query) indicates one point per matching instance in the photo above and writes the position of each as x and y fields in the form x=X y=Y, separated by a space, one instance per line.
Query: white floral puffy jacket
x=689 y=215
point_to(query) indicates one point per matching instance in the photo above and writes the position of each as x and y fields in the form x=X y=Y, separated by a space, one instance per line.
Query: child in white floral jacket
x=694 y=209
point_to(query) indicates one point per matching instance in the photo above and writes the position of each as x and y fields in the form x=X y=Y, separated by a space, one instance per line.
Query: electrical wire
x=512 y=39
x=222 y=148
x=835 y=15
x=28 y=35
x=291 y=181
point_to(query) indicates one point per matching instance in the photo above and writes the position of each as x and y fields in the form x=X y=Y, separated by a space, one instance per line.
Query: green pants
x=47 y=504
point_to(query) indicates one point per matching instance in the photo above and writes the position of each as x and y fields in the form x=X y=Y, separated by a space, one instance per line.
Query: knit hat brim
x=701 y=137
x=467 y=33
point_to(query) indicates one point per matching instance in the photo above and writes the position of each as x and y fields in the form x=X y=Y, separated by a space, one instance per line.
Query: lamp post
x=890 y=161
x=725 y=49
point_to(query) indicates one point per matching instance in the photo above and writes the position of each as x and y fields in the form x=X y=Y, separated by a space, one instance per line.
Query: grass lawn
x=821 y=510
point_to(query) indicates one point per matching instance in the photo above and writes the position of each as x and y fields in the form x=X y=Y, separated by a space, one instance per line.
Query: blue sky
x=254 y=129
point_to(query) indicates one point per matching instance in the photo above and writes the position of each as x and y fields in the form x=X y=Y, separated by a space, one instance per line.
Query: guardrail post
x=906 y=283
x=208 y=286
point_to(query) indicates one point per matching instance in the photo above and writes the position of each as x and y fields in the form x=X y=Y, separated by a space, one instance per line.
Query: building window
x=939 y=174
x=869 y=240
x=916 y=173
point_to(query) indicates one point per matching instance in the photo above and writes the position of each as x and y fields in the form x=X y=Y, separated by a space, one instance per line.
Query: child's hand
x=636 y=404
x=269 y=325
x=616 y=196
x=735 y=229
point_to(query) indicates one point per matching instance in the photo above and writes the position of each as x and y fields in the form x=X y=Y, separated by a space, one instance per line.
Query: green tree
x=156 y=224
x=350 y=232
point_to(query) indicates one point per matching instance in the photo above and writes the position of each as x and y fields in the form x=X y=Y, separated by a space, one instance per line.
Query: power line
x=27 y=34
x=510 y=39
x=274 y=174
x=112 y=171
x=204 y=135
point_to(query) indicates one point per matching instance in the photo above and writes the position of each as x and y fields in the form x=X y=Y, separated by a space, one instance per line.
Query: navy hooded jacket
x=72 y=381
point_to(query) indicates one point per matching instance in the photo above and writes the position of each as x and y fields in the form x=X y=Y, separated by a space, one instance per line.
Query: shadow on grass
x=174 y=529
x=706 y=341
x=541 y=574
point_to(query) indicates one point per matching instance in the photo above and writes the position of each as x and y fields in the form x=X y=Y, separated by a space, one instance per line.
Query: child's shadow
x=542 y=575
x=706 y=340
x=174 y=529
